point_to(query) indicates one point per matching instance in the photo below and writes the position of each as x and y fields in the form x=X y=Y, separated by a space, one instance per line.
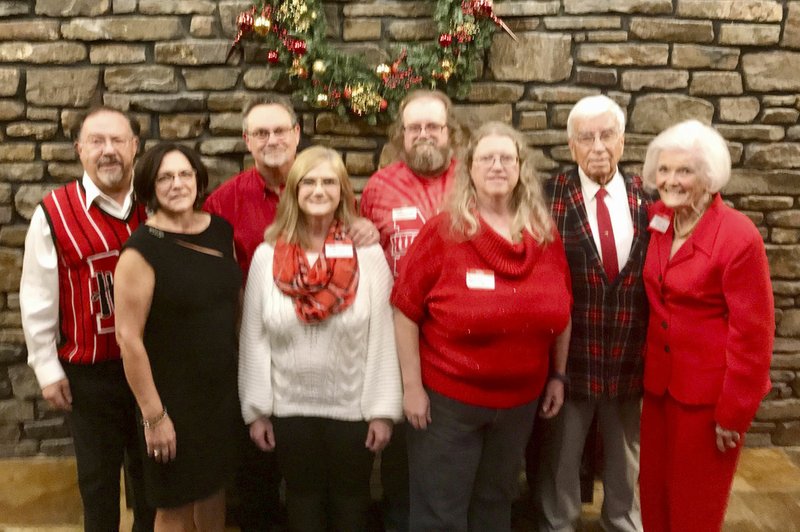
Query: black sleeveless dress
x=190 y=337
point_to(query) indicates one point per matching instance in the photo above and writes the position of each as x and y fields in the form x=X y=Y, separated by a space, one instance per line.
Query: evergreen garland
x=293 y=33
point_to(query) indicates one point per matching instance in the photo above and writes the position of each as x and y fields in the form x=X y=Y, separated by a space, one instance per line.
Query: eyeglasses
x=607 y=136
x=263 y=134
x=430 y=129
x=98 y=142
x=488 y=160
x=164 y=180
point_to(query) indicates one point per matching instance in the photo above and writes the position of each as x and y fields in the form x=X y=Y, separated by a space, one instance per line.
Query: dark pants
x=104 y=433
x=394 y=479
x=257 y=488
x=465 y=466
x=327 y=470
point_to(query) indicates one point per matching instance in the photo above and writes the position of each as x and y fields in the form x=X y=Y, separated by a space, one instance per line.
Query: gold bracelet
x=151 y=423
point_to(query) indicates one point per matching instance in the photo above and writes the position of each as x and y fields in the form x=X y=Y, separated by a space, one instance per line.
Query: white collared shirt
x=38 y=290
x=618 y=209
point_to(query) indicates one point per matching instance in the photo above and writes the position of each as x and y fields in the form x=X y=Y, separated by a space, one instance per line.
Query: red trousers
x=684 y=480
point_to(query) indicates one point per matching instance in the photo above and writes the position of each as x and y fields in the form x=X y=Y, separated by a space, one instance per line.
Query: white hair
x=592 y=106
x=705 y=144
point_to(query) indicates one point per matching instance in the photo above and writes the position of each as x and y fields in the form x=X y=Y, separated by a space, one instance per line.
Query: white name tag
x=659 y=223
x=339 y=251
x=480 y=279
x=404 y=214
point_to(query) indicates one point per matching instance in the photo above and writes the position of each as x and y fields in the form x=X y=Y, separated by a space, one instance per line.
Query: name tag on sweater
x=659 y=223
x=480 y=279
x=404 y=214
x=339 y=251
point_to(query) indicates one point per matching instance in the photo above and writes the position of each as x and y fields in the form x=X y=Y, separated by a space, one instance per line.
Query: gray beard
x=426 y=159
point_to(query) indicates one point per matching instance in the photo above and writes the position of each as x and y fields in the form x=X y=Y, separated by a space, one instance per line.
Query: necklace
x=683 y=232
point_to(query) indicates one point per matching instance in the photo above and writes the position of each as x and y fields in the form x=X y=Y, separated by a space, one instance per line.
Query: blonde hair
x=289 y=222
x=527 y=199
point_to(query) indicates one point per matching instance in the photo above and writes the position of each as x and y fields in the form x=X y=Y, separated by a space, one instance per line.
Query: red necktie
x=607 y=246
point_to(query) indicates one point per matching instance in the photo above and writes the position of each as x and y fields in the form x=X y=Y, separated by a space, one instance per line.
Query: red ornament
x=299 y=47
x=347 y=92
x=445 y=40
x=384 y=104
x=484 y=7
x=478 y=7
x=245 y=21
x=272 y=57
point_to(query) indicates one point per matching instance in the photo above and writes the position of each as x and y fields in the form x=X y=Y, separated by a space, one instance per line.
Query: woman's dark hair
x=146 y=171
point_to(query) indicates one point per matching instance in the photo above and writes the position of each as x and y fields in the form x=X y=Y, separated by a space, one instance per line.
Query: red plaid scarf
x=328 y=287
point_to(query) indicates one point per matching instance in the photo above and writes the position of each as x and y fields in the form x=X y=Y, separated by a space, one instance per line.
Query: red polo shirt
x=249 y=206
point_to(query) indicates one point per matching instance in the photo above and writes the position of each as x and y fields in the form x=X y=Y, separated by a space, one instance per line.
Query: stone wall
x=732 y=63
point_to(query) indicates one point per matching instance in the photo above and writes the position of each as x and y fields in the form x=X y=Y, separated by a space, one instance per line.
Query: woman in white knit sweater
x=319 y=379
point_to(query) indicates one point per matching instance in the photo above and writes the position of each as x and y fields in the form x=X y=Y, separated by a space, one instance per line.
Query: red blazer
x=712 y=317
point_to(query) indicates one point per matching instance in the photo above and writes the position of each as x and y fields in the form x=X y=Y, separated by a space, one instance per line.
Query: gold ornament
x=383 y=70
x=319 y=67
x=297 y=69
x=467 y=29
x=364 y=100
x=447 y=70
x=322 y=100
x=262 y=25
x=295 y=13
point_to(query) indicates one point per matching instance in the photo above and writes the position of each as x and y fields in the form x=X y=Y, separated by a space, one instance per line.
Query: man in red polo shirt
x=399 y=199
x=249 y=202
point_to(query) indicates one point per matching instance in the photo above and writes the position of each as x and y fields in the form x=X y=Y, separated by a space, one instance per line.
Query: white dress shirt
x=38 y=290
x=616 y=201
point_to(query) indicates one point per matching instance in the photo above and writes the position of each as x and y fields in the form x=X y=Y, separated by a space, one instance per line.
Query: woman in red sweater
x=482 y=314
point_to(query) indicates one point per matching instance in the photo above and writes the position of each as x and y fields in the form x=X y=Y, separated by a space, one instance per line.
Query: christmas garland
x=293 y=32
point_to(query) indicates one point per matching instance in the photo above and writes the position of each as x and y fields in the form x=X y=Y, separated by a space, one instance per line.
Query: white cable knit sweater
x=343 y=368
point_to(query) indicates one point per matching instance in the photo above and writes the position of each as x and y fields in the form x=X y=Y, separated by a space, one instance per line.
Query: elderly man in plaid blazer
x=601 y=215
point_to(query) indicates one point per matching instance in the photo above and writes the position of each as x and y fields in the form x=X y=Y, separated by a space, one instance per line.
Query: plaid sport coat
x=609 y=320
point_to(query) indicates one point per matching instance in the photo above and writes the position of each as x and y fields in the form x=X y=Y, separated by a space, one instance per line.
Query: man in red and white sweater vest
x=71 y=251
x=399 y=199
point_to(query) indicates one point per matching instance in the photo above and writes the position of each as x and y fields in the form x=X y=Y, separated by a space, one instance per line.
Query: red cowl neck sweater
x=485 y=347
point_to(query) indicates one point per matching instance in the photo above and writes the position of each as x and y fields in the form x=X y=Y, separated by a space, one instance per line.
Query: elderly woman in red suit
x=710 y=333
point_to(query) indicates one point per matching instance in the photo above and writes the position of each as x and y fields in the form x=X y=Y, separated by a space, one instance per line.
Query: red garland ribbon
x=244 y=24
x=397 y=76
x=485 y=8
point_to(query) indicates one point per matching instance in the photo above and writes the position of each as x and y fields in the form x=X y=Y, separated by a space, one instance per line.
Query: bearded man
x=399 y=199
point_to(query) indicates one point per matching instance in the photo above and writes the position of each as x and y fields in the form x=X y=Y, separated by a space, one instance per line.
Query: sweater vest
x=88 y=243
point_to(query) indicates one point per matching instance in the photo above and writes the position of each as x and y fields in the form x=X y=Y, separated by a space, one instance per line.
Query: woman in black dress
x=177 y=288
